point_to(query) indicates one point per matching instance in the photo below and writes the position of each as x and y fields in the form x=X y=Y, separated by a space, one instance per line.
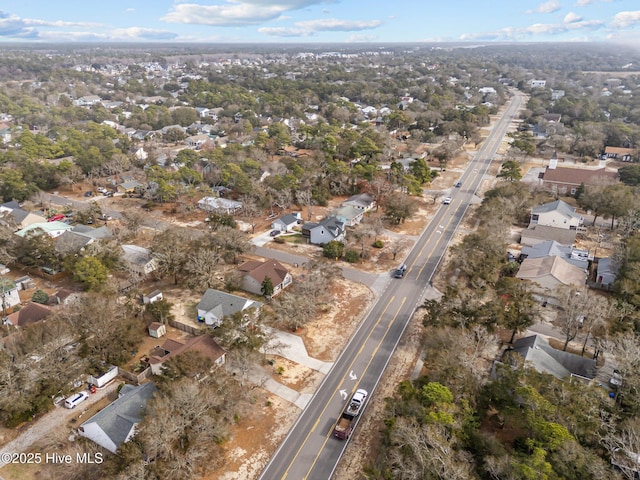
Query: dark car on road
x=458 y=184
x=400 y=271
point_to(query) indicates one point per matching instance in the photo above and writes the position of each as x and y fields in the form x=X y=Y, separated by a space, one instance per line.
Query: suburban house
x=607 y=272
x=541 y=233
x=53 y=229
x=129 y=186
x=537 y=353
x=622 y=154
x=31 y=313
x=565 y=180
x=215 y=305
x=138 y=259
x=254 y=272
x=64 y=296
x=551 y=272
x=9 y=292
x=203 y=344
x=116 y=423
x=348 y=214
x=324 y=231
x=362 y=201
x=551 y=248
x=286 y=222
x=219 y=205
x=12 y=214
x=556 y=214
x=71 y=241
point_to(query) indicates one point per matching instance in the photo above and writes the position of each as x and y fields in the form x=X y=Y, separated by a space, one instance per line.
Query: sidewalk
x=292 y=348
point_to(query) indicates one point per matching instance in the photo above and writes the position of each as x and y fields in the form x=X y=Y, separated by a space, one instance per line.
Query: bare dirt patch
x=326 y=337
x=293 y=375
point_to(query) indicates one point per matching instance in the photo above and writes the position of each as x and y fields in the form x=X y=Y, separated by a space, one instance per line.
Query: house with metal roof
x=116 y=423
x=53 y=229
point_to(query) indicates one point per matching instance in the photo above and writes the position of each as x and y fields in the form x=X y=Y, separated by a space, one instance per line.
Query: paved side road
x=54 y=421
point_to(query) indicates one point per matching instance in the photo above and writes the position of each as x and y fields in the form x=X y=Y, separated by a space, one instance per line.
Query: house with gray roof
x=331 y=228
x=537 y=353
x=540 y=233
x=551 y=248
x=116 y=423
x=361 y=201
x=138 y=259
x=556 y=214
x=286 y=222
x=215 y=305
x=219 y=205
x=607 y=272
x=79 y=237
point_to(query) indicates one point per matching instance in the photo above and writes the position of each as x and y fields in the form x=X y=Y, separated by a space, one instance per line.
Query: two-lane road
x=309 y=451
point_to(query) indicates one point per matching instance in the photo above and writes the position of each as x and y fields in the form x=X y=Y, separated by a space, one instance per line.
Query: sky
x=319 y=21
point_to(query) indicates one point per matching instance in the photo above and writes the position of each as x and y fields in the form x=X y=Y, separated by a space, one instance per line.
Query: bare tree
x=574 y=305
x=305 y=199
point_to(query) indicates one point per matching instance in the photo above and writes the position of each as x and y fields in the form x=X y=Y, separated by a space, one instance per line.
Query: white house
x=556 y=214
x=139 y=259
x=286 y=222
x=219 y=205
x=116 y=423
x=325 y=231
x=215 y=305
x=9 y=293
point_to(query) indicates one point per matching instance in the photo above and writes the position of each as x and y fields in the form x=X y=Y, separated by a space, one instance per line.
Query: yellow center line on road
x=306 y=439
x=373 y=355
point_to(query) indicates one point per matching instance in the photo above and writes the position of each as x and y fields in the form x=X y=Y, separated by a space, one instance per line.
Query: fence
x=193 y=330
x=132 y=377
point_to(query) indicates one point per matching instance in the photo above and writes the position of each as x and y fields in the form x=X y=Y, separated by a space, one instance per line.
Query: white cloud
x=285 y=32
x=584 y=3
x=546 y=7
x=308 y=28
x=335 y=25
x=357 y=38
x=572 y=17
x=540 y=29
x=625 y=19
x=235 y=12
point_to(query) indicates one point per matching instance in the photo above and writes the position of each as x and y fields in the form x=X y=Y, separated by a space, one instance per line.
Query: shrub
x=333 y=249
x=378 y=244
x=40 y=296
x=352 y=256
x=279 y=240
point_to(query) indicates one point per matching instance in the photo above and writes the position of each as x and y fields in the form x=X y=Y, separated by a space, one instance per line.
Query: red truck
x=347 y=420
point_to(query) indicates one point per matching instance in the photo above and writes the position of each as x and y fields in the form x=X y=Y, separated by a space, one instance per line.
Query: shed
x=157 y=330
x=154 y=296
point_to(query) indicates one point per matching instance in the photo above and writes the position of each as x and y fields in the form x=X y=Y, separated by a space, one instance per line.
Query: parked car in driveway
x=274 y=233
x=88 y=194
x=56 y=218
x=75 y=399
